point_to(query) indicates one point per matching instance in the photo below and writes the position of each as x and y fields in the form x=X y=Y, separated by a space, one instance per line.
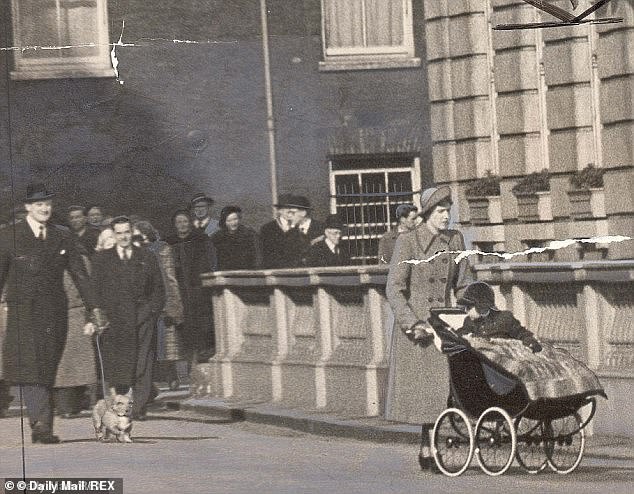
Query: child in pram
x=486 y=321
x=523 y=398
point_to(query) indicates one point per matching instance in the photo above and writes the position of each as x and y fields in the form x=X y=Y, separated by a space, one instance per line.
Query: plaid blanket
x=551 y=373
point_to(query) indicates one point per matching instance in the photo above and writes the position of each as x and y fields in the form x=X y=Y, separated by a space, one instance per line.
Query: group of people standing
x=144 y=298
x=140 y=294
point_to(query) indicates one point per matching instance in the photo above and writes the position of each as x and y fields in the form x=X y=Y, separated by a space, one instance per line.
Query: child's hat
x=479 y=294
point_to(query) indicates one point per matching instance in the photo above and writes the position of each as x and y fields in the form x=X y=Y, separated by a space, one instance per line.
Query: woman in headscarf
x=194 y=254
x=237 y=246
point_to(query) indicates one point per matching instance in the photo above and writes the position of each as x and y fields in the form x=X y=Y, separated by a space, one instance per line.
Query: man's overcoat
x=418 y=381
x=32 y=275
x=132 y=294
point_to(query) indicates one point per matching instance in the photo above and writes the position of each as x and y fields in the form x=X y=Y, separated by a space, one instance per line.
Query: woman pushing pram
x=524 y=396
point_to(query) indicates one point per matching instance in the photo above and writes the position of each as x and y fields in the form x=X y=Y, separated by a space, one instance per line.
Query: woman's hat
x=433 y=196
x=37 y=192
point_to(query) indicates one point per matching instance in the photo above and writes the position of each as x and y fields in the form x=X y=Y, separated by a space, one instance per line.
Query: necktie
x=41 y=234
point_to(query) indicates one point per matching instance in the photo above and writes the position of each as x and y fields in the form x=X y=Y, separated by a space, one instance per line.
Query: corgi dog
x=111 y=418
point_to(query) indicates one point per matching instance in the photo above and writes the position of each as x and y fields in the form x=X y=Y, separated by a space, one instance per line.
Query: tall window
x=60 y=38
x=365 y=192
x=359 y=34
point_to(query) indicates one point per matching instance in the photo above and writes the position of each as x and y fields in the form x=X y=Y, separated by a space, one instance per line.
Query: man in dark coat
x=33 y=257
x=311 y=230
x=129 y=287
x=282 y=243
x=85 y=234
x=329 y=252
x=202 y=221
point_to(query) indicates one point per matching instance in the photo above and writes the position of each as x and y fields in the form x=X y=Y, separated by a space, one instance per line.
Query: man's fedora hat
x=433 y=196
x=285 y=201
x=299 y=202
x=201 y=198
x=333 y=221
x=37 y=192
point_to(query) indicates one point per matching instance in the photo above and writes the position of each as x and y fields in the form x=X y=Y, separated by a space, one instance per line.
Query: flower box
x=527 y=207
x=485 y=210
x=483 y=196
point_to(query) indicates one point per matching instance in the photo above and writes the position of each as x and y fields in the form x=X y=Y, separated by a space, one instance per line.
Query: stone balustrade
x=316 y=338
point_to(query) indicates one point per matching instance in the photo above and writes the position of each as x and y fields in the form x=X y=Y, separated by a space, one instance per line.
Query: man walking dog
x=33 y=257
x=129 y=286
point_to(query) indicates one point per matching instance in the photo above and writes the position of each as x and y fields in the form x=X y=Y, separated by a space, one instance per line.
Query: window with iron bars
x=365 y=191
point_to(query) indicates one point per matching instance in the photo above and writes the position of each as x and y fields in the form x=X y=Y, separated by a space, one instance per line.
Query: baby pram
x=511 y=420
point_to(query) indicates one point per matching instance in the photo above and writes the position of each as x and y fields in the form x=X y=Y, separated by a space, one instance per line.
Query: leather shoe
x=44 y=438
x=427 y=463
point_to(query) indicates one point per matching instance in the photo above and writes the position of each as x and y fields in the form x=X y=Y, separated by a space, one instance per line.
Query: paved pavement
x=182 y=449
x=367 y=429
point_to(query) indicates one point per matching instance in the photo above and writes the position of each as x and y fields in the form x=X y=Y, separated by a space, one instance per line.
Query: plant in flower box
x=483 y=196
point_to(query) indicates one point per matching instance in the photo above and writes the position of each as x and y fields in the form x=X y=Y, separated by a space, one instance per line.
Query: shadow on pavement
x=144 y=439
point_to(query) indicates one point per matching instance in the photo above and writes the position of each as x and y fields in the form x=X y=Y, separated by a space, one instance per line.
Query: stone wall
x=316 y=338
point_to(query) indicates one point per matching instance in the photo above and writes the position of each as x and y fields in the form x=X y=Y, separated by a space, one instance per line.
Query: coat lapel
x=424 y=237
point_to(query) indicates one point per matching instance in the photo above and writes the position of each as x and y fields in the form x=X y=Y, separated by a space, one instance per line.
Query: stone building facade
x=513 y=103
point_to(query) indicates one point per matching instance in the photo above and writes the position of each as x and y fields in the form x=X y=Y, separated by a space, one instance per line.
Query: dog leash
x=103 y=377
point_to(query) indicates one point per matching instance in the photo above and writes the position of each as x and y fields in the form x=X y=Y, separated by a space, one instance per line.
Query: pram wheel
x=530 y=451
x=452 y=442
x=565 y=440
x=495 y=441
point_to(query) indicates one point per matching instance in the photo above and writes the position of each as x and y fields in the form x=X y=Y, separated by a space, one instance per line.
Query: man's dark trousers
x=145 y=361
x=38 y=399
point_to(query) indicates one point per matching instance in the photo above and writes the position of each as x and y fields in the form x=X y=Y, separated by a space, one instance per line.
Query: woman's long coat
x=32 y=275
x=132 y=295
x=194 y=255
x=169 y=340
x=418 y=381
x=77 y=366
x=237 y=250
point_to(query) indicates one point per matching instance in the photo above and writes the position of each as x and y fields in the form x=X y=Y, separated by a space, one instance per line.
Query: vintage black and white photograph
x=317 y=246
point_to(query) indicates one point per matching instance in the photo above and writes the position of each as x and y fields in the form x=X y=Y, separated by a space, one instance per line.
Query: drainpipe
x=270 y=123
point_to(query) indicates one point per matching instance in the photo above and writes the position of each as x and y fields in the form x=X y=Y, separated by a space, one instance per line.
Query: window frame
x=370 y=57
x=98 y=65
x=354 y=229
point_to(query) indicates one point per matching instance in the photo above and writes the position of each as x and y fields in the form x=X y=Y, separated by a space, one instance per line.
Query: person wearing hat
x=128 y=284
x=85 y=234
x=329 y=252
x=418 y=376
x=202 y=221
x=282 y=243
x=34 y=255
x=311 y=229
x=486 y=321
x=237 y=245
x=408 y=219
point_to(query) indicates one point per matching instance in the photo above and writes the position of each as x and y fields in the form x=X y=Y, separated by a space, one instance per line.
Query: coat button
x=430 y=299
x=445 y=260
x=432 y=280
